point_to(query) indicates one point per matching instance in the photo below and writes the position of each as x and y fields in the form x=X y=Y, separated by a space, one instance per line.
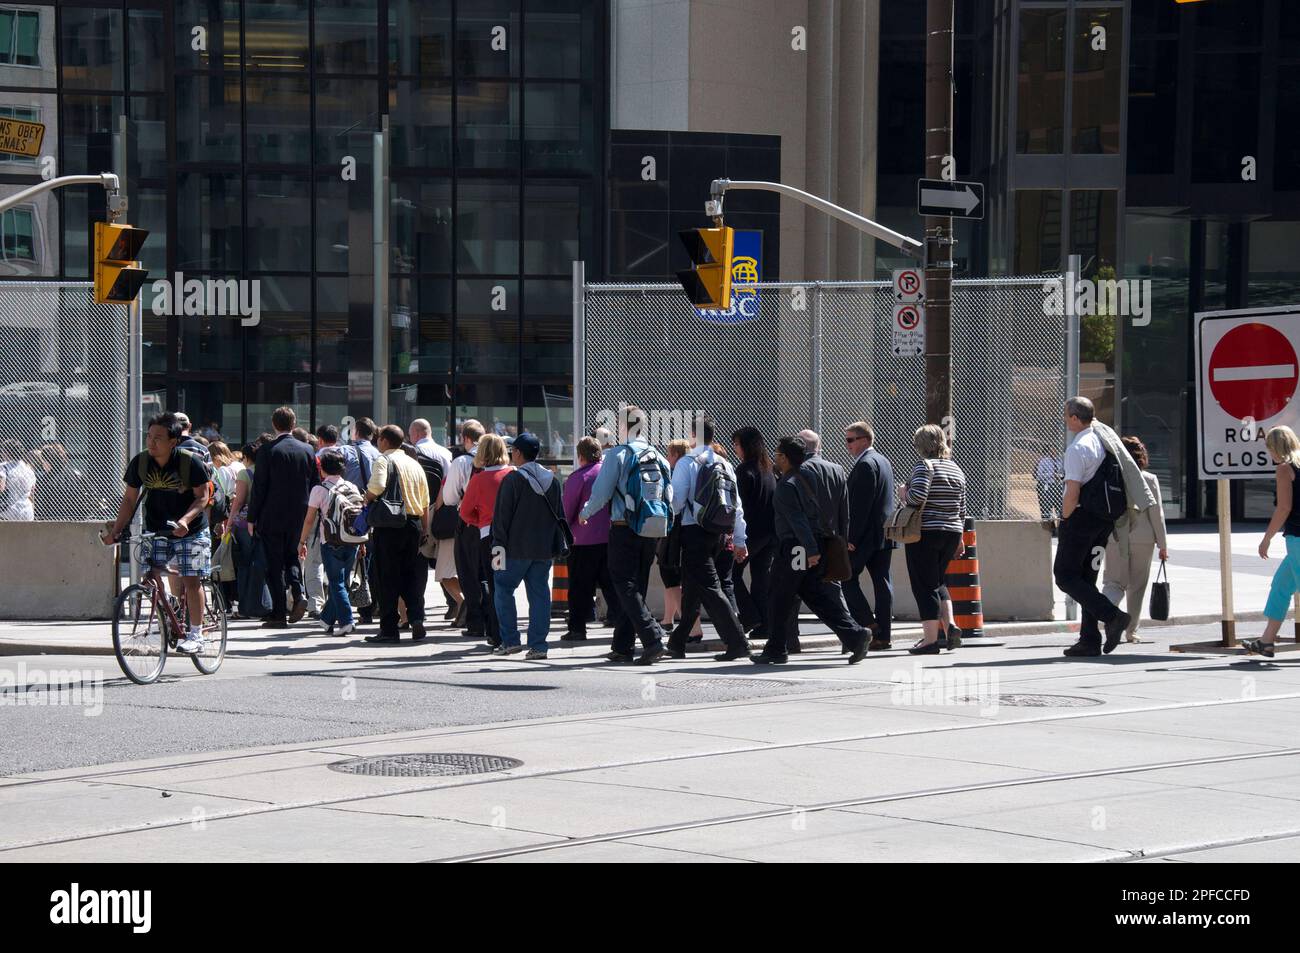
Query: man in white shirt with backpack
x=336 y=504
x=635 y=484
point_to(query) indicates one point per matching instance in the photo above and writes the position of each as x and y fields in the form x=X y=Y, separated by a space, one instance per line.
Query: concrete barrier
x=1015 y=575
x=56 y=571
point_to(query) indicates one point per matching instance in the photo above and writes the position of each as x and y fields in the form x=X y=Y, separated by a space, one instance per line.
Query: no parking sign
x=1247 y=382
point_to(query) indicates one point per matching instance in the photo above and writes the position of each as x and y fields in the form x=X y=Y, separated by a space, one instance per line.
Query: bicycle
x=146 y=623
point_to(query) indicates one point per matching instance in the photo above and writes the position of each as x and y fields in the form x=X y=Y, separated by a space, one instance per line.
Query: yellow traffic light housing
x=708 y=282
x=118 y=275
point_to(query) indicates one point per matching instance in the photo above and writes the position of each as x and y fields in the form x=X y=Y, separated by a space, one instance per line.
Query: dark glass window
x=488 y=234
x=1225 y=115
x=419 y=34
x=1098 y=74
x=487 y=125
x=1152 y=105
x=487 y=326
x=278 y=113
x=207 y=117
x=1040 y=103
x=146 y=44
x=92 y=48
x=1287 y=127
x=559 y=40
x=487 y=38
x=282 y=340
x=555 y=224
x=1228 y=26
x=88 y=126
x=548 y=329
x=149 y=211
x=147 y=155
x=275 y=35
x=421 y=227
x=219 y=36
x=279 y=223
x=1038 y=231
x=421 y=332
x=210 y=235
x=548 y=412
x=347 y=36
x=347 y=115
x=558 y=127
x=494 y=403
x=419 y=118
x=343 y=226
x=1094 y=230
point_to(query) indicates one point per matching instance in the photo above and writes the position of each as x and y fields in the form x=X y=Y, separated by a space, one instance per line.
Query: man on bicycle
x=176 y=485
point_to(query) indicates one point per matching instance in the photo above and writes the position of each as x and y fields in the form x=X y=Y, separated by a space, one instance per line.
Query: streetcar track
x=1071 y=715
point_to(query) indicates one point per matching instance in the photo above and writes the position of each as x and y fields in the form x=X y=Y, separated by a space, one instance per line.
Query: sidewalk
x=1193 y=574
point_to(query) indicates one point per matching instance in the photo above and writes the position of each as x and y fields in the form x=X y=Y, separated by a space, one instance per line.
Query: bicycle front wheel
x=138 y=640
x=208 y=659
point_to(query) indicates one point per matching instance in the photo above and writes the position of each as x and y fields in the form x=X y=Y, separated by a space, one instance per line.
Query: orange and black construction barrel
x=560 y=588
x=963 y=582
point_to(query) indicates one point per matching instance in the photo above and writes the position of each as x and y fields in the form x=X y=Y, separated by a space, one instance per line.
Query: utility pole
x=938 y=230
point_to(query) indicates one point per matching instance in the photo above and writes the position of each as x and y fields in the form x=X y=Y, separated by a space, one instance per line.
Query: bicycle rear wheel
x=208 y=659
x=138 y=640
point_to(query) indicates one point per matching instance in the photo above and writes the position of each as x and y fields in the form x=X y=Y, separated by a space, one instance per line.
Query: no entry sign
x=909 y=330
x=1247 y=381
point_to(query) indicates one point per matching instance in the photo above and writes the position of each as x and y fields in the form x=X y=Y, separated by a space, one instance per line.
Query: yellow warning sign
x=19 y=137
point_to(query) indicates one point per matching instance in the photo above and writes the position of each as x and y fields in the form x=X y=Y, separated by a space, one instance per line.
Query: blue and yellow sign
x=746 y=271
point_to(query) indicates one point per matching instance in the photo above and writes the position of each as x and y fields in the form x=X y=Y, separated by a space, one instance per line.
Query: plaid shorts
x=191 y=556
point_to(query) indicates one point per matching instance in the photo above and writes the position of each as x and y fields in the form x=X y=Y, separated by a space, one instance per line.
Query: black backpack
x=1104 y=496
x=433 y=473
x=715 y=497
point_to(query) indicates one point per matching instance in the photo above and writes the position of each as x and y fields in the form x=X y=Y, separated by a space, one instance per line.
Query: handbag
x=834 y=563
x=359 y=587
x=388 y=511
x=904 y=524
x=1160 y=595
x=566 y=534
x=223 y=560
x=445 y=522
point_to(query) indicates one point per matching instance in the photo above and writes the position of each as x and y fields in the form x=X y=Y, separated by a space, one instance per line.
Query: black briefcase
x=1160 y=595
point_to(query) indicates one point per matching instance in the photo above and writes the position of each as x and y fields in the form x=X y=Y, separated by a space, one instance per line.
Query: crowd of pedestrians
x=346 y=528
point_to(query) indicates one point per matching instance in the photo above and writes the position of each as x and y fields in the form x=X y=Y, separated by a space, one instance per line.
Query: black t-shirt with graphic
x=165 y=499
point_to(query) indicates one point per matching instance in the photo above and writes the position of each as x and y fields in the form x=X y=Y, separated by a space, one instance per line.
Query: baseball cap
x=528 y=444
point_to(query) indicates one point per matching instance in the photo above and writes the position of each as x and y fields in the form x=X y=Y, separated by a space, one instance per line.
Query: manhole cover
x=425 y=765
x=1034 y=701
x=725 y=682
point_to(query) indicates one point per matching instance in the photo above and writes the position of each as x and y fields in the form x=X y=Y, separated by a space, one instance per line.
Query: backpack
x=343 y=507
x=1103 y=496
x=433 y=473
x=715 y=497
x=647 y=494
x=216 y=495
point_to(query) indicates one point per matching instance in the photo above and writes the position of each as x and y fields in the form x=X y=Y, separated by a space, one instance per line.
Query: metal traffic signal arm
x=908 y=246
x=106 y=179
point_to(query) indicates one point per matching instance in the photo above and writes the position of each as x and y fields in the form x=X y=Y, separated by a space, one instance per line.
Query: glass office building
x=249 y=131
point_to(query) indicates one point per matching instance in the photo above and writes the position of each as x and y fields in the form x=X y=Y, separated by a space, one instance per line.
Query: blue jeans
x=1285 y=581
x=535 y=575
x=338 y=562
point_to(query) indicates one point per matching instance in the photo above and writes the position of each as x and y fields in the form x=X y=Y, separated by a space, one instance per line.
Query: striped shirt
x=944 y=495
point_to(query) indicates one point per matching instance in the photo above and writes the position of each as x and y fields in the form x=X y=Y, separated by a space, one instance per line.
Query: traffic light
x=118 y=275
x=708 y=283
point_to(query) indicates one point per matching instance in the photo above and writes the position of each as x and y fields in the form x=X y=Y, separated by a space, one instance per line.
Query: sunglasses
x=854 y=439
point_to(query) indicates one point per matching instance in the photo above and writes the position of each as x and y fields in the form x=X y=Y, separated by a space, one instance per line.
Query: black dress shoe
x=298 y=611
x=649 y=656
x=619 y=658
x=795 y=649
x=879 y=645
x=920 y=649
x=732 y=654
x=574 y=637
x=274 y=624
x=762 y=658
x=417 y=631
x=954 y=637
x=696 y=638
x=859 y=653
x=1115 y=630
x=382 y=639
x=670 y=652
x=451 y=613
x=1083 y=649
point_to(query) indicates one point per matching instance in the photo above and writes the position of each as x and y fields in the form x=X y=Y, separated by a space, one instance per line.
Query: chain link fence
x=820 y=354
x=63 y=402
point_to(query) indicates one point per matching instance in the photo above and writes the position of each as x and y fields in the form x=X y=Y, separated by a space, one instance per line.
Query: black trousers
x=588 y=568
x=282 y=569
x=630 y=557
x=789 y=587
x=400 y=572
x=724 y=561
x=1080 y=545
x=751 y=600
x=469 y=571
x=927 y=568
x=487 y=588
x=702 y=585
x=877 y=563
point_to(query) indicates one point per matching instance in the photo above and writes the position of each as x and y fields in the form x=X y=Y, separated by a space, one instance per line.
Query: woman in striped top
x=939 y=485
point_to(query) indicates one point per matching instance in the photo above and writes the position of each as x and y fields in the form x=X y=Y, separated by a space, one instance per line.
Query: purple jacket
x=577 y=489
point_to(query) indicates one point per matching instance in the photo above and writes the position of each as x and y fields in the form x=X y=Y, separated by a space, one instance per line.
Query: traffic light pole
x=108 y=180
x=713 y=208
x=938 y=230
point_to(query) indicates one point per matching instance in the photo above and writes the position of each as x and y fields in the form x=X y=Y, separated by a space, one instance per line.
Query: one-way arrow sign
x=939 y=198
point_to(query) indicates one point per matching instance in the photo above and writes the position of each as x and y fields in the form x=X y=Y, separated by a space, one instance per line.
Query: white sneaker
x=325 y=627
x=344 y=629
x=190 y=645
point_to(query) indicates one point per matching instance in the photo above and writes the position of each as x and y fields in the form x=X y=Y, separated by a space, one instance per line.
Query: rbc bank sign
x=746 y=270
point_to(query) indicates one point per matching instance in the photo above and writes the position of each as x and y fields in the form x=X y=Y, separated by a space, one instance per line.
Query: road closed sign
x=1248 y=374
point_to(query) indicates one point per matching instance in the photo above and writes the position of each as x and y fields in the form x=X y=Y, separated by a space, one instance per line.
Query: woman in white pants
x=1128 y=551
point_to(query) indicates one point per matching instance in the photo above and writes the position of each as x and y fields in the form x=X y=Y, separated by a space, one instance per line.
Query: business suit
x=282 y=481
x=871 y=490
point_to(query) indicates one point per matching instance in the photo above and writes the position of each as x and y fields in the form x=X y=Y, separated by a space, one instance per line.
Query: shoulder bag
x=835 y=563
x=388 y=511
x=1160 y=595
x=904 y=525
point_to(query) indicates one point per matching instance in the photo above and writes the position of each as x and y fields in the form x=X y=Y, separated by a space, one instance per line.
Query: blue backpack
x=647 y=494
